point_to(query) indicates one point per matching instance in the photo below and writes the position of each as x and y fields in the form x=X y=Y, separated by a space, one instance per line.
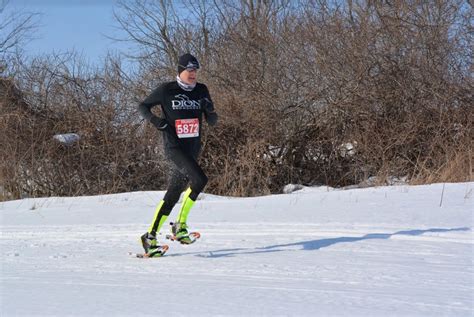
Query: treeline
x=309 y=92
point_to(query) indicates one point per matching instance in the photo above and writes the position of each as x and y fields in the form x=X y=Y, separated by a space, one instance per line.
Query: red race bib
x=187 y=128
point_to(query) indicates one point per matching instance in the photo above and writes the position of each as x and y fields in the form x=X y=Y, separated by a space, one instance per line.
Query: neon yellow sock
x=186 y=206
x=158 y=220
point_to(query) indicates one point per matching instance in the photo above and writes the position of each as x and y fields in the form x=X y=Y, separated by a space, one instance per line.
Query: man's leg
x=177 y=184
x=188 y=166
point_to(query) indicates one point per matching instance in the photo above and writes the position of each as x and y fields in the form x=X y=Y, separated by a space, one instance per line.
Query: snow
x=67 y=138
x=386 y=251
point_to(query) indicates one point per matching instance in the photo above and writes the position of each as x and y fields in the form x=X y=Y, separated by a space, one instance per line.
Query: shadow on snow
x=317 y=244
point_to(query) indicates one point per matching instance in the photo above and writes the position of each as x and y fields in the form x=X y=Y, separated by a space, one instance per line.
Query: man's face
x=189 y=76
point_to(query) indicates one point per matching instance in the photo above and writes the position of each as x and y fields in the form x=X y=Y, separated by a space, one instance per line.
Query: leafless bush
x=114 y=152
x=314 y=92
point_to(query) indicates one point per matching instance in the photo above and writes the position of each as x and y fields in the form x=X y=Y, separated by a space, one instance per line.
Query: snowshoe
x=151 y=246
x=179 y=232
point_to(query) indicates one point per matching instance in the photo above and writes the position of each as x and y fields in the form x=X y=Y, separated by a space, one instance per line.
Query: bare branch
x=15 y=28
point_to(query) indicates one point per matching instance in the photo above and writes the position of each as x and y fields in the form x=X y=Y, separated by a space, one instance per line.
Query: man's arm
x=207 y=107
x=152 y=100
x=210 y=113
x=145 y=109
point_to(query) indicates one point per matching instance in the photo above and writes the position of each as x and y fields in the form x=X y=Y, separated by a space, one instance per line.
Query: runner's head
x=187 y=68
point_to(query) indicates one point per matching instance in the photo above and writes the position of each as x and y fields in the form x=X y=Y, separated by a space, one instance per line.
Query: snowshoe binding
x=179 y=232
x=151 y=246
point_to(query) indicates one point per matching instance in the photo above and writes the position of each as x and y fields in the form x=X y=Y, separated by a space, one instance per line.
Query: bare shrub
x=318 y=92
x=113 y=154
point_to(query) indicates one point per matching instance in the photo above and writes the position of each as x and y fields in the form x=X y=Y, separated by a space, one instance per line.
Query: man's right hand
x=159 y=123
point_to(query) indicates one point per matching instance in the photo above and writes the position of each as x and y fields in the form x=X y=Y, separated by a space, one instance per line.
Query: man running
x=183 y=103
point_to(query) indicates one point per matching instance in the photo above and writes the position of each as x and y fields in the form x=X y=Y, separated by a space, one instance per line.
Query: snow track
x=410 y=262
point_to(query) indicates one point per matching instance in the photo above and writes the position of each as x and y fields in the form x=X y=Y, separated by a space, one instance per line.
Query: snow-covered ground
x=387 y=251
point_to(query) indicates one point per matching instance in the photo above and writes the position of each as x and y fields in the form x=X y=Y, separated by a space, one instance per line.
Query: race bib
x=187 y=128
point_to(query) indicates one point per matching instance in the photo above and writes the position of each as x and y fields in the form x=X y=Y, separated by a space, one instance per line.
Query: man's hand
x=159 y=123
x=208 y=108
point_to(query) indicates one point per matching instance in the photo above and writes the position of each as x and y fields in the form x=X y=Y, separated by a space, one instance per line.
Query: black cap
x=187 y=61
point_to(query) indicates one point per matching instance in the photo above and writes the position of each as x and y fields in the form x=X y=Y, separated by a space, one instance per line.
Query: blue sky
x=71 y=24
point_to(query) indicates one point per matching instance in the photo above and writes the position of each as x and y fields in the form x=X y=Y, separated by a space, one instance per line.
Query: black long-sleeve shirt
x=182 y=111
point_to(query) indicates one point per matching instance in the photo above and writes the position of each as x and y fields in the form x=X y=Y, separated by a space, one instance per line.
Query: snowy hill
x=387 y=251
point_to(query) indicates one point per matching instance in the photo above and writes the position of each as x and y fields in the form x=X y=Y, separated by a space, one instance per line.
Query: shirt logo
x=182 y=102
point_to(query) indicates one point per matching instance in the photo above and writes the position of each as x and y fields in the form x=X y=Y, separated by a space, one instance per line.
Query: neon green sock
x=158 y=220
x=186 y=206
